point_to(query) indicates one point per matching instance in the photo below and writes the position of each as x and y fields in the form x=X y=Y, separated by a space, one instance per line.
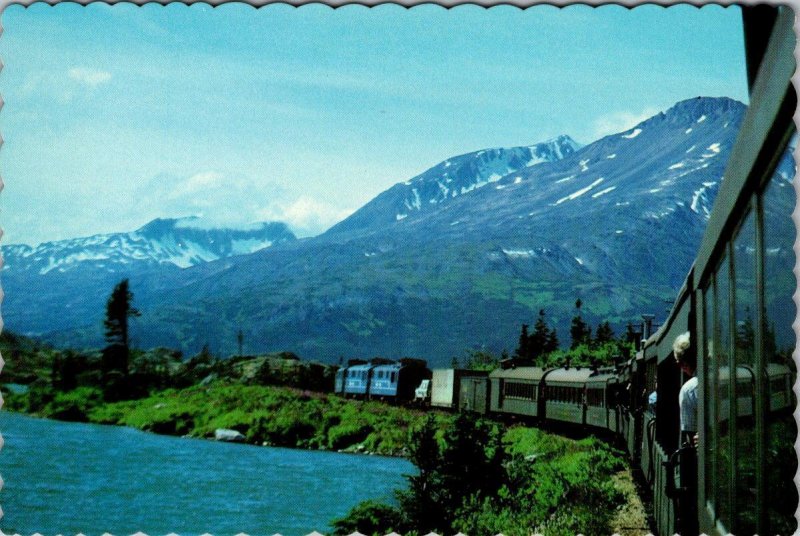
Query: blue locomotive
x=382 y=379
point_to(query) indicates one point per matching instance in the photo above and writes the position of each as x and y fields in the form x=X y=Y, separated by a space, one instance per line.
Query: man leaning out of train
x=687 y=398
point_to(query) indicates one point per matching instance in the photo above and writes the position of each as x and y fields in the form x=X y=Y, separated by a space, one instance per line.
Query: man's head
x=686 y=358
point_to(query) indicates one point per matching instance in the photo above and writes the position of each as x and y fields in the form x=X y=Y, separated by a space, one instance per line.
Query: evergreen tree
x=551 y=345
x=523 y=351
x=117 y=353
x=538 y=339
x=118 y=310
x=604 y=333
x=580 y=332
x=467 y=465
x=420 y=503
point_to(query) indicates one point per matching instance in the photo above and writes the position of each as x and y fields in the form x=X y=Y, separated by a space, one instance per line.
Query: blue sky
x=115 y=115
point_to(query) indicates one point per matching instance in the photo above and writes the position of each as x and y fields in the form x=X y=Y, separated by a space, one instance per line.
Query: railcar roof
x=521 y=373
x=602 y=377
x=360 y=367
x=572 y=374
x=389 y=366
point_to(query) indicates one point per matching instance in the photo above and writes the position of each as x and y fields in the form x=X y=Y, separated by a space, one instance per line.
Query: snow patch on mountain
x=577 y=194
x=633 y=134
x=604 y=191
x=702 y=199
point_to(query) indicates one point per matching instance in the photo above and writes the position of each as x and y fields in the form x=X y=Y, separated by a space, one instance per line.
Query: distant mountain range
x=453 y=259
x=180 y=242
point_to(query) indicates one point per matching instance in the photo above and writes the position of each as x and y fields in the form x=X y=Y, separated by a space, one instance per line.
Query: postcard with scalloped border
x=397 y=270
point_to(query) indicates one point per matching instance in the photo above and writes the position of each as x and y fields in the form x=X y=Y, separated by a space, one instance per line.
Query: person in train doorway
x=687 y=398
x=687 y=404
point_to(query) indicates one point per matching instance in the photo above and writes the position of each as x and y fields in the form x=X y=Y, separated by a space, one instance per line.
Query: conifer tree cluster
x=540 y=346
x=543 y=340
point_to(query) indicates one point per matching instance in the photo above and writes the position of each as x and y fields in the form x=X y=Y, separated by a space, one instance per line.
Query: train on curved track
x=736 y=303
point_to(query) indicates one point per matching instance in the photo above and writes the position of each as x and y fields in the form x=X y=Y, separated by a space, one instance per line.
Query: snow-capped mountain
x=454 y=177
x=182 y=242
x=421 y=271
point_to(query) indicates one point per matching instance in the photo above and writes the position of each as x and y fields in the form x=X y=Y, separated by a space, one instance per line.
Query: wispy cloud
x=89 y=77
x=233 y=200
x=615 y=122
x=197 y=184
x=305 y=215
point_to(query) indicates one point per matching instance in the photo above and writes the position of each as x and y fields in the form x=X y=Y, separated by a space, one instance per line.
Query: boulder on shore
x=223 y=434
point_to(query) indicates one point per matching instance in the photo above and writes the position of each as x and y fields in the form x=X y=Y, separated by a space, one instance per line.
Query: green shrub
x=345 y=435
x=370 y=518
x=73 y=405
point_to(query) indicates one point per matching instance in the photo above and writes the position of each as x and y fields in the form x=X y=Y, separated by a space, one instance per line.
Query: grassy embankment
x=265 y=415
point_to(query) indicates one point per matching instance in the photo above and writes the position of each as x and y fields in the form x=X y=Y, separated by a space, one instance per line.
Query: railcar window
x=721 y=352
x=778 y=201
x=744 y=270
x=394 y=377
x=524 y=391
x=594 y=397
x=709 y=437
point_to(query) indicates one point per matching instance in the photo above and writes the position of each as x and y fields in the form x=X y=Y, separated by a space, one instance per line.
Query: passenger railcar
x=516 y=391
x=565 y=394
x=601 y=401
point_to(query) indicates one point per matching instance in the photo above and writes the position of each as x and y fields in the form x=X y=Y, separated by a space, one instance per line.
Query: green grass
x=263 y=414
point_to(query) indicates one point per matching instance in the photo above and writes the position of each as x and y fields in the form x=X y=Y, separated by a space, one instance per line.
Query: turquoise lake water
x=69 y=478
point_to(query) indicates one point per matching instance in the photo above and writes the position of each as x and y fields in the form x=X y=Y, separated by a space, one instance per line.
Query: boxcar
x=444 y=386
x=446 y=390
x=516 y=390
x=475 y=392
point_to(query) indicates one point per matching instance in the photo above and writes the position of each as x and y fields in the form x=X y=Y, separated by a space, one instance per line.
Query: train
x=735 y=303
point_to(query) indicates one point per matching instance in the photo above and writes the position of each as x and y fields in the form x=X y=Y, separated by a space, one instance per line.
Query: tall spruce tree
x=551 y=345
x=538 y=339
x=523 y=351
x=116 y=354
x=580 y=332
x=118 y=310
